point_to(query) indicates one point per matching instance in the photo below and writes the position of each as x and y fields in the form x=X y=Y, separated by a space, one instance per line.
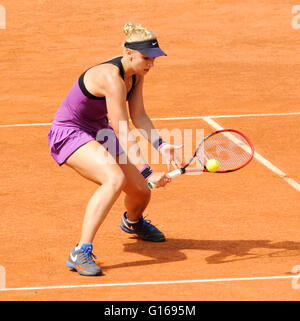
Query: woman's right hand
x=159 y=179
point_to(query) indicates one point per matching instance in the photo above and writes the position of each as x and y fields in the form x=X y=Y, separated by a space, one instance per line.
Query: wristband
x=146 y=171
x=158 y=143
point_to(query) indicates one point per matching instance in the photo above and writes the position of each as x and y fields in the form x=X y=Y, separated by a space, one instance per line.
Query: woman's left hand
x=170 y=155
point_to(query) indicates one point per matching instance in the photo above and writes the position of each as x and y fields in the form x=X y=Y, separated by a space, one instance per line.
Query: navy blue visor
x=148 y=48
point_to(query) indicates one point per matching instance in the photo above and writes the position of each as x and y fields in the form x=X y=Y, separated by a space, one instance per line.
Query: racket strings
x=231 y=150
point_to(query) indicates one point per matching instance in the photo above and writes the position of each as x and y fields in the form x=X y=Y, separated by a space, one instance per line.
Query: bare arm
x=114 y=89
x=138 y=115
x=115 y=94
x=142 y=122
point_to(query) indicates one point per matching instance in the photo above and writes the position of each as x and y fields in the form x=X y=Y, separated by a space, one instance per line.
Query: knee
x=116 y=181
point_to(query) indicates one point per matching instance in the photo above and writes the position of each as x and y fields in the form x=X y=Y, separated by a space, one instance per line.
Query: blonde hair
x=137 y=33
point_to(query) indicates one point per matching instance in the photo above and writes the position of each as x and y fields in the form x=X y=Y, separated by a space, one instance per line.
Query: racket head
x=231 y=148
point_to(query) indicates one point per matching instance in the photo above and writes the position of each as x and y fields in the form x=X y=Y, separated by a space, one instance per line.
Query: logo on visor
x=154 y=43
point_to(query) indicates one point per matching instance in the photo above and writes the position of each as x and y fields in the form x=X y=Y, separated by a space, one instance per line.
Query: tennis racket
x=232 y=149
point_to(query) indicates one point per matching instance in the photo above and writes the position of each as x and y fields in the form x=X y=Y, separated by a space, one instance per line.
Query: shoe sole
x=127 y=230
x=162 y=239
x=73 y=267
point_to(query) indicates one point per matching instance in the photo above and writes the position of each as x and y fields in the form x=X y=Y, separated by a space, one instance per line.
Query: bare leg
x=89 y=162
x=137 y=192
x=137 y=198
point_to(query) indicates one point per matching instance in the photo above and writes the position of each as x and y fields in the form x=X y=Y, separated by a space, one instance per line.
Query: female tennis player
x=81 y=137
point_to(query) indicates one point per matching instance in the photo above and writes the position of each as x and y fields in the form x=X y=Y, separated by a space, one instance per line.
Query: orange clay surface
x=224 y=58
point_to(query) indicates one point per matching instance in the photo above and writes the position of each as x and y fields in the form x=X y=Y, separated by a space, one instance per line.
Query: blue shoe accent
x=71 y=266
x=87 y=249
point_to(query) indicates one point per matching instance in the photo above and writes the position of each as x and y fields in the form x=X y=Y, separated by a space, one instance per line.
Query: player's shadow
x=220 y=251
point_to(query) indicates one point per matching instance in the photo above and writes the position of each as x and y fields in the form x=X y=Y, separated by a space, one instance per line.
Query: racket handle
x=151 y=185
x=173 y=174
x=176 y=173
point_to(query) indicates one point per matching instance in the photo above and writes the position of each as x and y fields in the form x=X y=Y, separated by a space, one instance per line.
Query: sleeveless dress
x=80 y=119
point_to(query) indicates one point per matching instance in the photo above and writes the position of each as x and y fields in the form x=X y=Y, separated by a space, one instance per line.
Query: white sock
x=130 y=222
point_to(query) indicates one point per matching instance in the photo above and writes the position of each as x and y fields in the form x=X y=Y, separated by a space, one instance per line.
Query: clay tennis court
x=229 y=236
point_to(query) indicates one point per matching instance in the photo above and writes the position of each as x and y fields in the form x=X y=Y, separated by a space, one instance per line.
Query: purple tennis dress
x=80 y=118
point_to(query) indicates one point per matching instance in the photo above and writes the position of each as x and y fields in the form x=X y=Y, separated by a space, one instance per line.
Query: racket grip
x=173 y=174
x=151 y=185
x=176 y=173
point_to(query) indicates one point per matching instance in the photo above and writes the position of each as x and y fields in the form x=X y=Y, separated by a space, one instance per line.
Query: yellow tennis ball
x=212 y=165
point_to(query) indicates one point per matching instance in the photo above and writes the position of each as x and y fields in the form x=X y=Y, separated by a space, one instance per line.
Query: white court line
x=261 y=278
x=26 y=125
x=172 y=118
x=261 y=159
x=226 y=116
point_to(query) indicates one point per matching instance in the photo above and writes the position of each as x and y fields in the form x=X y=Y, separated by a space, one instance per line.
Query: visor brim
x=152 y=52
